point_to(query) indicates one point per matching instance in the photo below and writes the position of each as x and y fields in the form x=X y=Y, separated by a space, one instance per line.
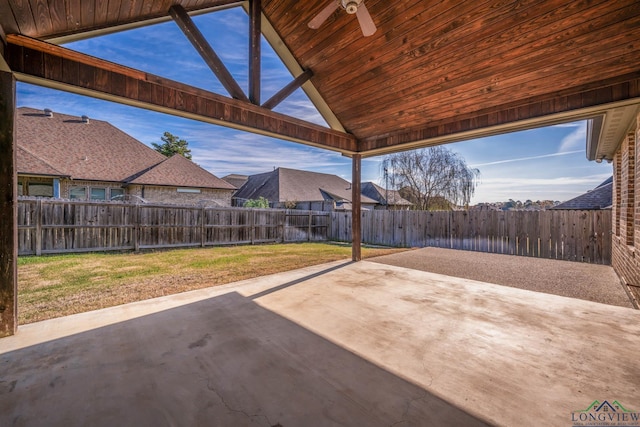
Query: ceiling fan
x=352 y=7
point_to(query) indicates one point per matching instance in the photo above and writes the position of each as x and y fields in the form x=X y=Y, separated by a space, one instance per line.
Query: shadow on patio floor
x=223 y=361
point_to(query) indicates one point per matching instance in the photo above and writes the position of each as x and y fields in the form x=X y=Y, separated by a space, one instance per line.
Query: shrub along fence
x=58 y=226
x=583 y=236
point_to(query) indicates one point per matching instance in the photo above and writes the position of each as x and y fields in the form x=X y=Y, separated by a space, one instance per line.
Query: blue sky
x=545 y=163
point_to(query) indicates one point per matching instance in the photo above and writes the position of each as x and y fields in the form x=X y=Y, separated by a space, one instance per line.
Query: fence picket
x=63 y=226
x=570 y=235
x=60 y=226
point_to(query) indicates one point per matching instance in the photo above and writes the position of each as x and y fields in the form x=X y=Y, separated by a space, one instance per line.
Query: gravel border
x=598 y=283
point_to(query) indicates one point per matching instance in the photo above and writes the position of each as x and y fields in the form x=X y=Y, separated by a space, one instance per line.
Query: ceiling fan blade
x=323 y=15
x=366 y=22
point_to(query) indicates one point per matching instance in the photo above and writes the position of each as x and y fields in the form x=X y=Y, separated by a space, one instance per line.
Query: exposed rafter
x=184 y=21
x=288 y=90
x=42 y=63
x=255 y=32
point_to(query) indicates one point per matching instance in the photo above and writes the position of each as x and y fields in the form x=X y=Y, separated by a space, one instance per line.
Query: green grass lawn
x=59 y=285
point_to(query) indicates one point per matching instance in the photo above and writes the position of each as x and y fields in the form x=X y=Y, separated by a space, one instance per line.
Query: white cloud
x=250 y=154
x=524 y=159
x=537 y=188
x=575 y=139
x=547 y=182
x=569 y=125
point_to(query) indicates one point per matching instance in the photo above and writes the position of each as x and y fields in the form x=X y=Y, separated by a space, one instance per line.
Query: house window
x=36 y=187
x=116 y=193
x=98 y=193
x=41 y=189
x=189 y=190
x=78 y=193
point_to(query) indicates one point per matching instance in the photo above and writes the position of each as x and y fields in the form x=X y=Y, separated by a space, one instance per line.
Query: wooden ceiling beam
x=184 y=21
x=560 y=107
x=283 y=93
x=255 y=33
x=45 y=64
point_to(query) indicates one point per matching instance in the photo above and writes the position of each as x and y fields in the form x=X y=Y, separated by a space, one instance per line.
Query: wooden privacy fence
x=559 y=234
x=58 y=226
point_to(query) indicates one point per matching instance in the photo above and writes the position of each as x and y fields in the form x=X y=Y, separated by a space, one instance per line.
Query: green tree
x=432 y=178
x=256 y=203
x=172 y=144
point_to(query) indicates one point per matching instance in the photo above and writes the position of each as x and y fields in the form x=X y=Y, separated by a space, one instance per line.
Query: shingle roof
x=94 y=151
x=29 y=163
x=600 y=197
x=180 y=172
x=65 y=145
x=236 y=180
x=378 y=193
x=284 y=185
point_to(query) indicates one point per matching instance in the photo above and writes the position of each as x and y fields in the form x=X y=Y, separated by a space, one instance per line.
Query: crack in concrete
x=408 y=405
x=238 y=411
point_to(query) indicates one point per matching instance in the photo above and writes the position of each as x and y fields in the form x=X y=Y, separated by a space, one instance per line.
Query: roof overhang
x=606 y=131
x=433 y=73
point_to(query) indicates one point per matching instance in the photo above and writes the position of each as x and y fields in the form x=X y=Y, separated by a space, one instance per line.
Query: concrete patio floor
x=349 y=344
x=591 y=282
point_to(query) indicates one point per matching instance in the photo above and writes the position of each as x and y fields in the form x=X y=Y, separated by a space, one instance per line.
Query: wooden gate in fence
x=57 y=226
x=559 y=234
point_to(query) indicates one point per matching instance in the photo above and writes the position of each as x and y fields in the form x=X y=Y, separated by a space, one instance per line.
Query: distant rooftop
x=236 y=180
x=284 y=185
x=54 y=144
x=600 y=197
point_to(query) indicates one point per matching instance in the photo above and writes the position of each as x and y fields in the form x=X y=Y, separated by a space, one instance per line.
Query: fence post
x=136 y=227
x=38 y=215
x=309 y=226
x=282 y=219
x=252 y=224
x=203 y=228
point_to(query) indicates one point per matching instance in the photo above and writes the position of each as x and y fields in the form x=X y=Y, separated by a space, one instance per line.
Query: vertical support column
x=8 y=207
x=356 y=206
x=255 y=32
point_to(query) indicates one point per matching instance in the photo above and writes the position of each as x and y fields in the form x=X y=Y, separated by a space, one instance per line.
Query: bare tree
x=431 y=178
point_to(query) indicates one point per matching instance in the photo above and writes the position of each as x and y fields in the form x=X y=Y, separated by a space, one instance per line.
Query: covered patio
x=396 y=76
x=337 y=344
x=351 y=343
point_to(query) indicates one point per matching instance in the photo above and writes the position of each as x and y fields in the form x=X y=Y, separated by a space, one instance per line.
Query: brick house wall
x=626 y=211
x=173 y=195
x=152 y=194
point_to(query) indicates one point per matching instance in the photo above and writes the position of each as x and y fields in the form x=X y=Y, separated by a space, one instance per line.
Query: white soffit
x=616 y=123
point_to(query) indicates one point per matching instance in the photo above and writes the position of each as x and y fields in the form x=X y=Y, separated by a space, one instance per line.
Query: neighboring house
x=236 y=180
x=600 y=197
x=435 y=203
x=77 y=158
x=292 y=188
x=379 y=194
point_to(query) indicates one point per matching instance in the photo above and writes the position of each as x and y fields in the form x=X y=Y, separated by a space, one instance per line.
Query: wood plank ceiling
x=433 y=69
